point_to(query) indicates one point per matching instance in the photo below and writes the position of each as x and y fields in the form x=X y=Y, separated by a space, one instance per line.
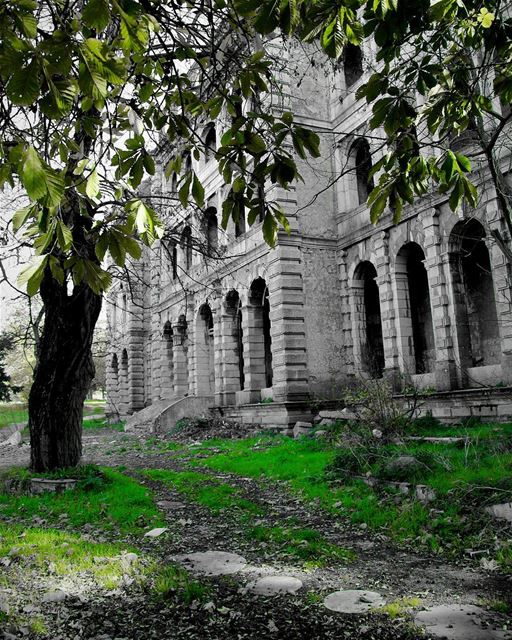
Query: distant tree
x=6 y=387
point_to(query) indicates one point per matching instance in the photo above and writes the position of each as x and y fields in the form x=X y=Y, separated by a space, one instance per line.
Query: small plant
x=472 y=422
x=173 y=580
x=267 y=401
x=399 y=607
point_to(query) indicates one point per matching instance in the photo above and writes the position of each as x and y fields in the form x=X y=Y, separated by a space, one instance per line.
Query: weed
x=496 y=605
x=172 y=580
x=399 y=607
x=38 y=626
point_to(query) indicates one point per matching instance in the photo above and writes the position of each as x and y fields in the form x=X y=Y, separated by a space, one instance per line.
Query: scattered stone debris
x=501 y=511
x=155 y=533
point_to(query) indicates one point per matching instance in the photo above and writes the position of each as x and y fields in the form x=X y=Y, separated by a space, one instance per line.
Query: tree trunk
x=63 y=374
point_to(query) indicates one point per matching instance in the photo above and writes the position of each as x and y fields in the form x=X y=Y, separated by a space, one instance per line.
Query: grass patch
x=464 y=478
x=204 y=490
x=12 y=413
x=398 y=608
x=99 y=423
x=117 y=503
x=305 y=544
x=175 y=581
x=68 y=554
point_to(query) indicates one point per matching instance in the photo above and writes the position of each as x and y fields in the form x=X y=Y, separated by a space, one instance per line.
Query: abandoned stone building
x=259 y=332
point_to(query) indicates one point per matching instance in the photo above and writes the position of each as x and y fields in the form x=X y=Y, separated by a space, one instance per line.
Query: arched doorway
x=260 y=342
x=415 y=313
x=473 y=288
x=205 y=351
x=367 y=320
x=233 y=308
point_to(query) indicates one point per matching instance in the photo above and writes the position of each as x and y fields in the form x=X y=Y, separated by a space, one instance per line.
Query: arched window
x=352 y=64
x=210 y=142
x=475 y=304
x=205 y=352
x=367 y=320
x=167 y=372
x=186 y=246
x=362 y=160
x=233 y=307
x=415 y=312
x=261 y=341
x=211 y=230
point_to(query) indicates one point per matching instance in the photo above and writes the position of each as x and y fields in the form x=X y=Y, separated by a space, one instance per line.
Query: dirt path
x=232 y=609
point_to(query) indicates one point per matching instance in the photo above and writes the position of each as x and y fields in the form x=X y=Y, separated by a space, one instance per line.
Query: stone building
x=258 y=332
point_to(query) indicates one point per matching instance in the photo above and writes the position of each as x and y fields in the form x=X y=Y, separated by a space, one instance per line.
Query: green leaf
x=198 y=191
x=96 y=14
x=32 y=274
x=64 y=236
x=92 y=185
x=32 y=174
x=21 y=216
x=24 y=85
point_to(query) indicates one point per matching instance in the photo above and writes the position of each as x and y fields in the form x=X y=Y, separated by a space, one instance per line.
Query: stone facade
x=338 y=298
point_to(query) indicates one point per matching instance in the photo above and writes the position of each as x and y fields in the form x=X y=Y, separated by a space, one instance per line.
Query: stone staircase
x=161 y=416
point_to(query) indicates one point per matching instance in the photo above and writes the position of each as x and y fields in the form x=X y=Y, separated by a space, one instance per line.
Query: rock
x=501 y=511
x=55 y=596
x=353 y=601
x=344 y=414
x=154 y=533
x=275 y=585
x=212 y=563
x=403 y=463
x=40 y=485
x=425 y=494
x=302 y=429
x=377 y=433
x=170 y=504
x=320 y=433
x=459 y=622
x=128 y=559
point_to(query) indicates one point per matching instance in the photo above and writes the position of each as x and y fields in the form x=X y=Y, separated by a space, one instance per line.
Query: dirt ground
x=232 y=612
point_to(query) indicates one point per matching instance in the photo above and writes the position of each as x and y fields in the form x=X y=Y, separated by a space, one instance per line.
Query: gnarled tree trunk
x=63 y=374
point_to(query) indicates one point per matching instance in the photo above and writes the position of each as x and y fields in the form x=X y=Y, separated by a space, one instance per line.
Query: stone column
x=180 y=360
x=437 y=264
x=288 y=326
x=502 y=280
x=156 y=324
x=254 y=352
x=346 y=315
x=112 y=382
x=387 y=308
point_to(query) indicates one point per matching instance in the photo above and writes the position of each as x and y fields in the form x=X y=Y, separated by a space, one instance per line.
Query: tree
x=92 y=91
x=6 y=388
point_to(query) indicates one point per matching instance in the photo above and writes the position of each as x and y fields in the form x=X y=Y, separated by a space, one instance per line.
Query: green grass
x=119 y=504
x=12 y=413
x=305 y=544
x=458 y=521
x=69 y=554
x=100 y=423
x=217 y=496
x=476 y=432
x=172 y=580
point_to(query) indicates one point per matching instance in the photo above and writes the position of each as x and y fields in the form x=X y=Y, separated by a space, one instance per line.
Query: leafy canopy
x=94 y=92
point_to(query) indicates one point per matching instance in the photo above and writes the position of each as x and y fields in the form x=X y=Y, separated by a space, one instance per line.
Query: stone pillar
x=346 y=315
x=437 y=264
x=228 y=351
x=358 y=319
x=254 y=352
x=288 y=326
x=502 y=280
x=156 y=324
x=387 y=308
x=112 y=382
x=136 y=372
x=180 y=359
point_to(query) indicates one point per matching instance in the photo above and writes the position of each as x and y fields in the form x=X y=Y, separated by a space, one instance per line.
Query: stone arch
x=476 y=314
x=205 y=351
x=414 y=312
x=234 y=369
x=167 y=370
x=260 y=341
x=367 y=321
x=352 y=64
